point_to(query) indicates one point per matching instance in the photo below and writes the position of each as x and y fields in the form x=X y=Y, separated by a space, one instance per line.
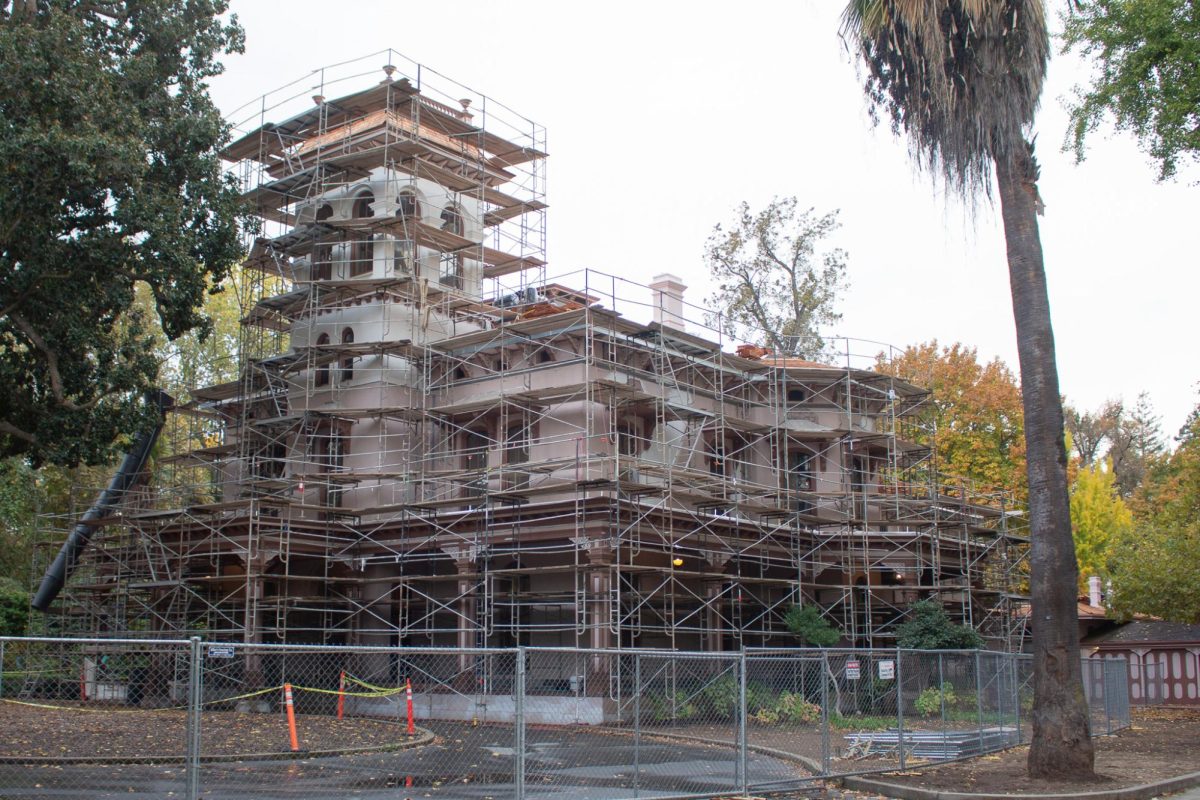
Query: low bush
x=932 y=700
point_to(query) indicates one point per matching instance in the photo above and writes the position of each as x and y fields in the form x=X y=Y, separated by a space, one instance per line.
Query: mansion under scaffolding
x=430 y=442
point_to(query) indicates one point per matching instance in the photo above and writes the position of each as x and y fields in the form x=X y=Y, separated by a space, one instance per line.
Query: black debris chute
x=129 y=474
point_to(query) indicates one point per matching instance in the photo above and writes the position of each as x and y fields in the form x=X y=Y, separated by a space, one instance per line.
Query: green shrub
x=967 y=701
x=720 y=698
x=787 y=708
x=930 y=628
x=795 y=709
x=14 y=608
x=675 y=705
x=931 y=701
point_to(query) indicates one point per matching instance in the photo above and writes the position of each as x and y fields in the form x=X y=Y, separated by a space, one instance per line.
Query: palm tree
x=962 y=79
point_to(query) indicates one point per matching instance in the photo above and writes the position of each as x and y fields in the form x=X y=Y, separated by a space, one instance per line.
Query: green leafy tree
x=807 y=625
x=14 y=608
x=974 y=421
x=20 y=503
x=1155 y=571
x=1098 y=518
x=930 y=628
x=773 y=287
x=1146 y=75
x=1129 y=438
x=962 y=79
x=1156 y=563
x=112 y=179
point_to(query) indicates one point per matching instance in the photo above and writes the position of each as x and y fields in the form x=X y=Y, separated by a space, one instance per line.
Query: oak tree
x=1145 y=77
x=774 y=287
x=109 y=149
x=973 y=420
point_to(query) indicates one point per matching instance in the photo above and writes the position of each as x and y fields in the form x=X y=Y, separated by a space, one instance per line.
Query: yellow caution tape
x=372 y=687
x=92 y=710
x=141 y=710
x=244 y=696
x=381 y=693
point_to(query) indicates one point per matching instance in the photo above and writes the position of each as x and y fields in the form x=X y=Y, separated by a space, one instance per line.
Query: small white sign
x=887 y=670
x=853 y=670
x=220 y=651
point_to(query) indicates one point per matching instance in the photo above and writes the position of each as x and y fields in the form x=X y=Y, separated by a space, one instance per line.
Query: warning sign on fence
x=220 y=651
x=887 y=670
x=853 y=670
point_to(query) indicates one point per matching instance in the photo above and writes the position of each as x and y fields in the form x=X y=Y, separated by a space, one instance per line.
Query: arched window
x=452 y=220
x=347 y=371
x=324 y=212
x=409 y=207
x=362 y=206
x=322 y=378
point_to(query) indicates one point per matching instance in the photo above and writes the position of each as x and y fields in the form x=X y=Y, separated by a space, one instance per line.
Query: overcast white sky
x=662 y=116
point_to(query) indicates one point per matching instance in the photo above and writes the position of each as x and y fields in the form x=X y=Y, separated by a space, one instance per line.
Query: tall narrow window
x=335 y=463
x=718 y=452
x=362 y=256
x=402 y=256
x=800 y=477
x=475 y=444
x=362 y=251
x=629 y=442
x=322 y=262
x=322 y=377
x=451 y=272
x=516 y=452
x=347 y=371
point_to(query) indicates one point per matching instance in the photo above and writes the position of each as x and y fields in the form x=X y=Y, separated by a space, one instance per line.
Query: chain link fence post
x=195 y=703
x=900 y=708
x=825 y=721
x=2 y=643
x=979 y=693
x=637 y=723
x=1014 y=668
x=742 y=772
x=1107 y=684
x=519 y=743
x=941 y=689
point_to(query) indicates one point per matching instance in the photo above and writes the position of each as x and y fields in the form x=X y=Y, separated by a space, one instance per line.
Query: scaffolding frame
x=430 y=441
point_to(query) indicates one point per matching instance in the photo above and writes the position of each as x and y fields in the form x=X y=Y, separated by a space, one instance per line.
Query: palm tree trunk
x=1061 y=746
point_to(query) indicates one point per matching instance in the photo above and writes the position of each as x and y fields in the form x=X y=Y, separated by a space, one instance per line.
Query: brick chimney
x=667 y=295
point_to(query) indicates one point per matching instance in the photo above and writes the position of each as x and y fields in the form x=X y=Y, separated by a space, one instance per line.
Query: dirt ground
x=1162 y=743
x=32 y=731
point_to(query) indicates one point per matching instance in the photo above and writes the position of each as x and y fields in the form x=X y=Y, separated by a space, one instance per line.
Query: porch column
x=714 y=621
x=465 y=562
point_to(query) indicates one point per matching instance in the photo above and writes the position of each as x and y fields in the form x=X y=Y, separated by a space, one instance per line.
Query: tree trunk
x=1061 y=746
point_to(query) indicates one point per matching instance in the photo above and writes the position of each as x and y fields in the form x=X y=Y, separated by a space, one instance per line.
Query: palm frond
x=960 y=78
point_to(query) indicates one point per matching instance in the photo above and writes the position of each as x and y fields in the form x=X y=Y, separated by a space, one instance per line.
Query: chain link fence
x=193 y=719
